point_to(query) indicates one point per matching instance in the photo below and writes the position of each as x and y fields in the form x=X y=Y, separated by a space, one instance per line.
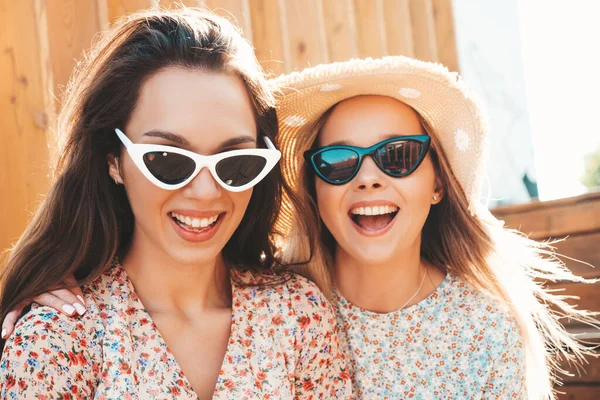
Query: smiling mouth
x=373 y=218
x=196 y=225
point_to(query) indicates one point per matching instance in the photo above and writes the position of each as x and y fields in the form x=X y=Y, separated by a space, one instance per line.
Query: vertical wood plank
x=398 y=28
x=267 y=35
x=72 y=25
x=340 y=29
x=445 y=34
x=237 y=11
x=370 y=27
x=423 y=25
x=24 y=106
x=304 y=39
x=117 y=8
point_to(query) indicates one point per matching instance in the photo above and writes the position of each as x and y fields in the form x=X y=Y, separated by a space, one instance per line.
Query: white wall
x=490 y=56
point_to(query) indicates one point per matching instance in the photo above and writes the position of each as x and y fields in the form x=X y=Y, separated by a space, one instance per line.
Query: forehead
x=198 y=105
x=365 y=120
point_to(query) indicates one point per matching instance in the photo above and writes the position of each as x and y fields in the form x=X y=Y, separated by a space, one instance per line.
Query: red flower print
x=22 y=384
x=308 y=385
x=261 y=376
x=72 y=358
x=175 y=390
x=229 y=384
x=124 y=367
x=304 y=322
x=10 y=382
x=277 y=319
x=345 y=375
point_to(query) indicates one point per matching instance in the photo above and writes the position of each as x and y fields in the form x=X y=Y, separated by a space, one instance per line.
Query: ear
x=113 y=169
x=438 y=192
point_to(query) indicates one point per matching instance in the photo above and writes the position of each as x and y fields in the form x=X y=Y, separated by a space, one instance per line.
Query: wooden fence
x=41 y=41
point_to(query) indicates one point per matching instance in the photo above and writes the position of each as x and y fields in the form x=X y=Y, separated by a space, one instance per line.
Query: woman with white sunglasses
x=163 y=208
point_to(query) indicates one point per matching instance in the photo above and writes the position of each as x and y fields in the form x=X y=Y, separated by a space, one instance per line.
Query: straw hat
x=437 y=94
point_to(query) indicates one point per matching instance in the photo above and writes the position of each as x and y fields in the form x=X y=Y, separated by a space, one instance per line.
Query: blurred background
x=534 y=63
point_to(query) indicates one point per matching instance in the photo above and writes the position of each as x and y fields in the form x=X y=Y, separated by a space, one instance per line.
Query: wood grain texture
x=370 y=27
x=445 y=36
x=423 y=27
x=303 y=34
x=554 y=219
x=340 y=29
x=398 y=28
x=26 y=108
x=267 y=35
x=118 y=8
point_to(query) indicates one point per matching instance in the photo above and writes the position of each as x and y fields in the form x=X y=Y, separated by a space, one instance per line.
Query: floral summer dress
x=458 y=343
x=283 y=345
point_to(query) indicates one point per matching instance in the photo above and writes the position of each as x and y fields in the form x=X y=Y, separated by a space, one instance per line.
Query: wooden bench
x=577 y=219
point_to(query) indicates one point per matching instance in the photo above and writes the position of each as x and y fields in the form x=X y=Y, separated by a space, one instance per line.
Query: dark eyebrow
x=168 y=136
x=236 y=141
x=172 y=137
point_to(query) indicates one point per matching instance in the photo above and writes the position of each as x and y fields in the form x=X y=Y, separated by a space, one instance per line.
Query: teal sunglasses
x=397 y=157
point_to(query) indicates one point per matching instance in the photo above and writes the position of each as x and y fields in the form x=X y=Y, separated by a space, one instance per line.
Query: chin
x=189 y=256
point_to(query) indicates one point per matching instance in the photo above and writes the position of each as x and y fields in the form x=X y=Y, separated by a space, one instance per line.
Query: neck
x=385 y=286
x=166 y=285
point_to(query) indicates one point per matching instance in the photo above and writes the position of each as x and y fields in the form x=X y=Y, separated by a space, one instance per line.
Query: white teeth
x=195 y=222
x=376 y=210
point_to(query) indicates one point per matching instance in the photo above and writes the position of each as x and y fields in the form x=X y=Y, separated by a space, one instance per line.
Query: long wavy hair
x=499 y=261
x=85 y=220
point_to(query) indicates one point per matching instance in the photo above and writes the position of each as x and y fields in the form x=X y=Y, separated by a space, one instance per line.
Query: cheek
x=240 y=202
x=329 y=199
x=418 y=188
x=243 y=199
x=144 y=197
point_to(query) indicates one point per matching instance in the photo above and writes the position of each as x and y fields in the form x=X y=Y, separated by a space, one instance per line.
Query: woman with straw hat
x=435 y=298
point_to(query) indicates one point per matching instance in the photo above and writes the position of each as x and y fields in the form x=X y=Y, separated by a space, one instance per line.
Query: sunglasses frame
x=361 y=152
x=137 y=150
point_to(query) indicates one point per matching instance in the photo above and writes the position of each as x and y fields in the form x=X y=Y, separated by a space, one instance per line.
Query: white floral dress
x=456 y=344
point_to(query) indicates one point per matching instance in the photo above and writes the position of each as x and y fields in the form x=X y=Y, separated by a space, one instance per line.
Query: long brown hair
x=85 y=221
x=501 y=262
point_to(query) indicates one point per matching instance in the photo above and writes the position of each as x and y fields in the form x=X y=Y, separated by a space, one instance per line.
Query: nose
x=369 y=176
x=203 y=187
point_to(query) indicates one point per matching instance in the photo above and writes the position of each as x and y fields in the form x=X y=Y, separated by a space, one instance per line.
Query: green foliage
x=591 y=176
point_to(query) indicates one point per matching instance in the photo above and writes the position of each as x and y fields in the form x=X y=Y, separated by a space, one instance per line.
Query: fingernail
x=80 y=309
x=3 y=333
x=68 y=309
x=81 y=300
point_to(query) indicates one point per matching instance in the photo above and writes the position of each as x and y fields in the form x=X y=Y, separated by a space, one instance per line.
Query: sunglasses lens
x=399 y=158
x=336 y=165
x=169 y=168
x=239 y=170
